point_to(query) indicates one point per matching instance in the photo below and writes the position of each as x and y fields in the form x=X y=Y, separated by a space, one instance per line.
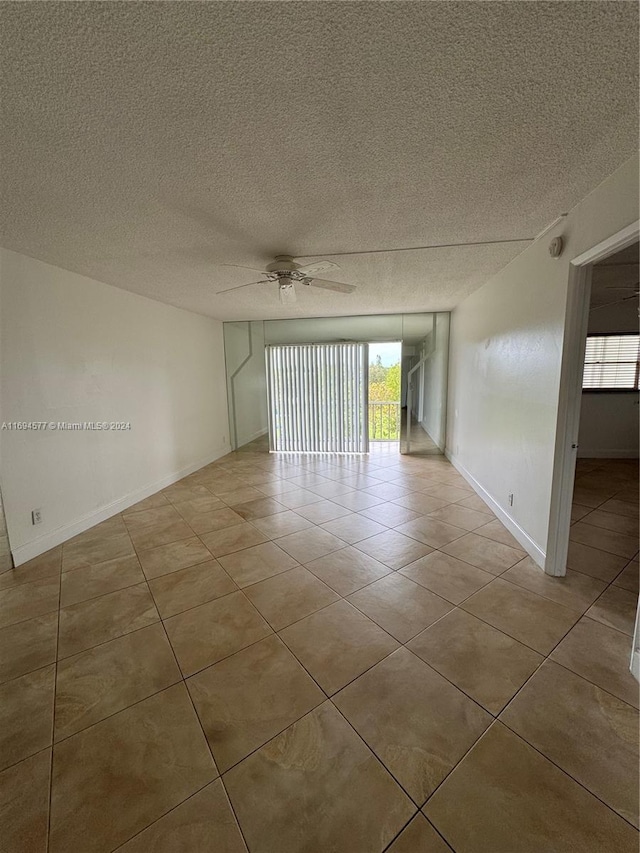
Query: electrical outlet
x=511 y=499
x=36 y=516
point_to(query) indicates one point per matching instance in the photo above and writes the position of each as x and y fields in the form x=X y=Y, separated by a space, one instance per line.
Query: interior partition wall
x=318 y=398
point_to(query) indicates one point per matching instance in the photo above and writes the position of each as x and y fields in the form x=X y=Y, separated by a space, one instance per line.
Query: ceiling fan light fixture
x=287 y=291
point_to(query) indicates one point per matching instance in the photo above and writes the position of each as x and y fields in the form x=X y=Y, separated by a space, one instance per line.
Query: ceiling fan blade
x=338 y=286
x=320 y=266
x=238 y=286
x=240 y=267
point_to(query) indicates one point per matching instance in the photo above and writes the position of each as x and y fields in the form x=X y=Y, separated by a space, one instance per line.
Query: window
x=611 y=362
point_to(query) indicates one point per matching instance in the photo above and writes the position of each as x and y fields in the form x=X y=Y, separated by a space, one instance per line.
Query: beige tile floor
x=313 y=654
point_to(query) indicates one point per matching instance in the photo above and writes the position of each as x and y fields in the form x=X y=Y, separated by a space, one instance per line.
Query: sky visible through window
x=389 y=353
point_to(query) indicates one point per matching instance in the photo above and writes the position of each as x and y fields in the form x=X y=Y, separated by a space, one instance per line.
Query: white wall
x=75 y=350
x=434 y=399
x=246 y=381
x=609 y=425
x=505 y=358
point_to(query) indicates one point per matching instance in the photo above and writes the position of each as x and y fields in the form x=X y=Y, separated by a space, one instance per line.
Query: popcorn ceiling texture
x=146 y=144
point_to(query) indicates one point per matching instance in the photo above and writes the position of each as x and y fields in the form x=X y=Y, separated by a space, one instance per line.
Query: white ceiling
x=146 y=144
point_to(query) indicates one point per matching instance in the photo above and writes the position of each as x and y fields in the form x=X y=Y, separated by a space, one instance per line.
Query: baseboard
x=585 y=453
x=26 y=552
x=532 y=548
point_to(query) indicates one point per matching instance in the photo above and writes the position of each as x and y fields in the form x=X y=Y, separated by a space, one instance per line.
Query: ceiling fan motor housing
x=286 y=270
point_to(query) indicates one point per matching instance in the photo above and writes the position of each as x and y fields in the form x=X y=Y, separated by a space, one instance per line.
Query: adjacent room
x=319 y=427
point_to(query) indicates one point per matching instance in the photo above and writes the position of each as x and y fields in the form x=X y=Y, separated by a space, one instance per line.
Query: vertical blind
x=318 y=398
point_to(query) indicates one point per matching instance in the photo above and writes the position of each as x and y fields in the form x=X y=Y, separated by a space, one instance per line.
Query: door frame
x=570 y=393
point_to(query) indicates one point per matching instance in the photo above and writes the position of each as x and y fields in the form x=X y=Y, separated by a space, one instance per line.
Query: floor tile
x=195 y=507
x=574 y=590
x=420 y=503
x=390 y=514
x=322 y=511
x=100 y=619
x=628 y=578
x=107 y=678
x=257 y=563
x=357 y=501
x=307 y=545
x=484 y=663
x=476 y=502
x=29 y=600
x=419 y=837
x=431 y=531
x=590 y=497
x=155 y=527
x=175 y=555
x=337 y=644
x=213 y=631
x=353 y=528
x=93 y=581
x=626 y=524
x=24 y=805
x=259 y=508
x=616 y=608
x=28 y=645
x=593 y=562
x=192 y=827
x=317 y=787
x=448 y=577
x=604 y=540
x=250 y=697
x=47 y=565
x=386 y=706
x=451 y=494
x=386 y=491
x=525 y=616
x=578 y=512
x=281 y=524
x=484 y=553
x=540 y=808
x=152 y=502
x=601 y=655
x=394 y=549
x=217 y=519
x=331 y=489
x=26 y=715
x=290 y=596
x=241 y=495
x=400 y=606
x=79 y=554
x=156 y=746
x=187 y=588
x=231 y=539
x=347 y=570
x=184 y=491
x=297 y=498
x=460 y=516
x=587 y=732
x=498 y=532
x=619 y=507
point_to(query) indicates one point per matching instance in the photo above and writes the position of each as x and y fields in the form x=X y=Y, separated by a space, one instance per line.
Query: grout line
x=53 y=712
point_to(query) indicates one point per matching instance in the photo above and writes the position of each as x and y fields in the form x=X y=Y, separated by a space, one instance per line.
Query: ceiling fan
x=287 y=273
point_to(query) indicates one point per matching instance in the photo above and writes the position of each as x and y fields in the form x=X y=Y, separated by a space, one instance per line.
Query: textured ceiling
x=146 y=144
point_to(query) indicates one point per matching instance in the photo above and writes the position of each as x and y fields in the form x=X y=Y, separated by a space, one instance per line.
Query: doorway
x=570 y=394
x=384 y=397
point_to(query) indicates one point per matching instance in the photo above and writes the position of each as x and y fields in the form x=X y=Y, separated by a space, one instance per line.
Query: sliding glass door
x=318 y=398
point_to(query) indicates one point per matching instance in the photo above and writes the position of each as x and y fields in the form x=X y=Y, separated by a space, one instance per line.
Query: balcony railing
x=384 y=420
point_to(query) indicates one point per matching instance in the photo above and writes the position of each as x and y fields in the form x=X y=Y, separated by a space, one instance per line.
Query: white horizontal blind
x=611 y=361
x=318 y=398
